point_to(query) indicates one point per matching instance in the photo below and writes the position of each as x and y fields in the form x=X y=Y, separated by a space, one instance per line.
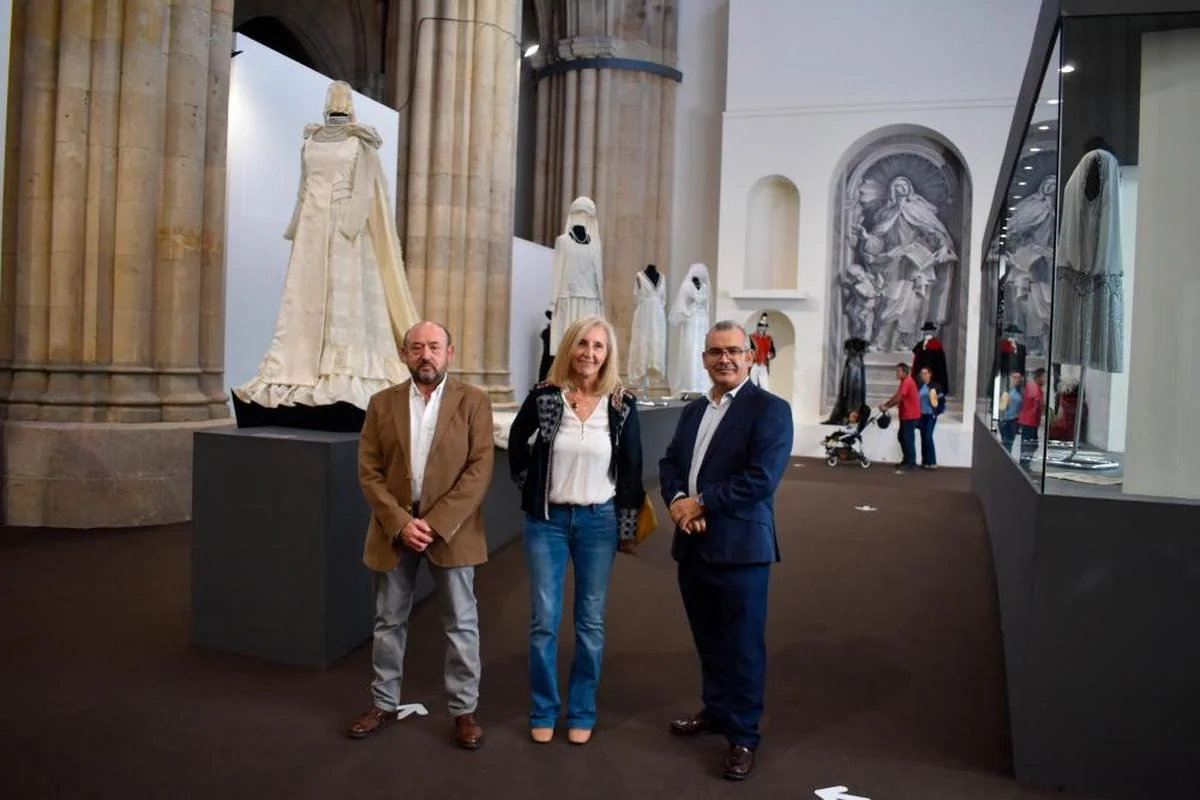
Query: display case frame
x=1098 y=585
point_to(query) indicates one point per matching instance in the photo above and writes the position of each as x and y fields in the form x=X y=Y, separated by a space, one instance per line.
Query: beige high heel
x=579 y=735
x=541 y=735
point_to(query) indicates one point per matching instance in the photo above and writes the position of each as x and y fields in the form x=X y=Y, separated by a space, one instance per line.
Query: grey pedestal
x=278 y=521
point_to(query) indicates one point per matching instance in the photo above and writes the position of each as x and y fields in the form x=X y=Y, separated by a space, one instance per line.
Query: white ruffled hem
x=328 y=390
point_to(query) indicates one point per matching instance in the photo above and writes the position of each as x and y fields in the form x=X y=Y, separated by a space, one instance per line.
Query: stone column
x=456 y=88
x=606 y=127
x=116 y=302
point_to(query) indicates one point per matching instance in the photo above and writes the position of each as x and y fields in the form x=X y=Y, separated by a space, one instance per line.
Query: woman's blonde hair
x=561 y=373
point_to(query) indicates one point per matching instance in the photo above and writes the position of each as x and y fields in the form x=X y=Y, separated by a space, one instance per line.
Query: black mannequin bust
x=653 y=274
x=1091 y=186
x=580 y=234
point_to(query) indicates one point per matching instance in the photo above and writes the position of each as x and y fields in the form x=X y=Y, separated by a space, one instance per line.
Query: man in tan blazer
x=424 y=462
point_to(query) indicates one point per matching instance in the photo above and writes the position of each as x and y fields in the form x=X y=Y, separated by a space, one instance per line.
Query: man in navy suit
x=718 y=478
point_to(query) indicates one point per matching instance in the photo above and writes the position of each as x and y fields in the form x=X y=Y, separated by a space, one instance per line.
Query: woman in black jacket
x=575 y=453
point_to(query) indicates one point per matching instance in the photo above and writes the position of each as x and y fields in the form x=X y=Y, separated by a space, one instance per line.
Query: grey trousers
x=455 y=589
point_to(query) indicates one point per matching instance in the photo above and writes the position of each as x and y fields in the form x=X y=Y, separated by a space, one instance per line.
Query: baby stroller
x=846 y=444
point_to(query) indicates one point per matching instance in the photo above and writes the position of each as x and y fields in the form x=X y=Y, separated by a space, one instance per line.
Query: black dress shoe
x=695 y=725
x=739 y=763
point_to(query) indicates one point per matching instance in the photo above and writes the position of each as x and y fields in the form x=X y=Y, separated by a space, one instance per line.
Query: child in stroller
x=846 y=444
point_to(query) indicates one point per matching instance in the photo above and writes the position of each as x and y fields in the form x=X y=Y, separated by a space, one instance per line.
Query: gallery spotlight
x=532 y=49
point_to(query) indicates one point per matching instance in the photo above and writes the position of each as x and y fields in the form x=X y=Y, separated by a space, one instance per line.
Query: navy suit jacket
x=742 y=467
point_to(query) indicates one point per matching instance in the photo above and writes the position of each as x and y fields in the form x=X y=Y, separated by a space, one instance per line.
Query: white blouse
x=580 y=458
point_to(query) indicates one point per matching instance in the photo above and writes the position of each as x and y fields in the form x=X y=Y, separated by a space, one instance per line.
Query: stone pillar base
x=98 y=475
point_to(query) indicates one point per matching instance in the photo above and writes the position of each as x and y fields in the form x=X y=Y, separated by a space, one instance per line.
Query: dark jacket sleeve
x=630 y=491
x=671 y=479
x=770 y=449
x=520 y=452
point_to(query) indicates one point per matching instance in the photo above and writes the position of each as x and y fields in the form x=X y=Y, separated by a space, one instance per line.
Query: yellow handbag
x=647 y=522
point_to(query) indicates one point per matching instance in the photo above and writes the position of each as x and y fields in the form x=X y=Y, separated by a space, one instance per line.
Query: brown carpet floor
x=885 y=672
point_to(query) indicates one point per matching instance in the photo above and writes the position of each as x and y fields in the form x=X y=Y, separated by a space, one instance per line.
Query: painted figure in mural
x=1031 y=231
x=860 y=296
x=905 y=244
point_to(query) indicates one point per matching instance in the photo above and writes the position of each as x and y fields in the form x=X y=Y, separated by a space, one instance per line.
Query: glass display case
x=1090 y=343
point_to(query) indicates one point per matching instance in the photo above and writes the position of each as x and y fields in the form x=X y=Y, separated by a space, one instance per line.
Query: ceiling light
x=1043 y=127
x=1028 y=168
x=1053 y=101
x=1021 y=183
x=1067 y=69
x=1012 y=208
x=1035 y=149
x=532 y=49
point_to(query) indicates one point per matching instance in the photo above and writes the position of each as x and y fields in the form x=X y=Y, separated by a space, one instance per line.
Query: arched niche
x=772 y=234
x=781 y=330
x=900 y=235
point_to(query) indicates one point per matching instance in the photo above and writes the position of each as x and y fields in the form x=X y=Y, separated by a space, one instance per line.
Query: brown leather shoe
x=739 y=763
x=467 y=732
x=371 y=722
x=695 y=725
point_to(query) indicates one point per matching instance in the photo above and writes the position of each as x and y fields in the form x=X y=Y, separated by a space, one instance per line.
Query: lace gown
x=648 y=336
x=336 y=333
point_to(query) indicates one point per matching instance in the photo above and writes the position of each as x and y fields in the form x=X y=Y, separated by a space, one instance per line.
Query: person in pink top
x=1030 y=418
x=908 y=399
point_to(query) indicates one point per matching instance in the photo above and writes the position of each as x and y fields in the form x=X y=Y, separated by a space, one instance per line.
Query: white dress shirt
x=422 y=421
x=714 y=412
x=580 y=456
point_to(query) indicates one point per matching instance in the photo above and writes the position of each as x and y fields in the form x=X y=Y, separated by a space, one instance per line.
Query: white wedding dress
x=689 y=315
x=346 y=303
x=648 y=335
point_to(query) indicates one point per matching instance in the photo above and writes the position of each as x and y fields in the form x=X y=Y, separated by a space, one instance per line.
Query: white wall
x=271 y=99
x=1162 y=450
x=531 y=270
x=808 y=80
x=699 y=101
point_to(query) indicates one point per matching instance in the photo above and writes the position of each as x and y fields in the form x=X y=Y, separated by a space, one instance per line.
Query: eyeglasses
x=717 y=352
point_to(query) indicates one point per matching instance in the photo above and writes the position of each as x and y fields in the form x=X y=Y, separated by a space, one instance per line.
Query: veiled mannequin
x=689 y=315
x=346 y=302
x=578 y=275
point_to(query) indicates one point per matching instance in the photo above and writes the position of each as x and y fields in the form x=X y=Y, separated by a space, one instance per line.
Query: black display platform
x=1099 y=599
x=278 y=523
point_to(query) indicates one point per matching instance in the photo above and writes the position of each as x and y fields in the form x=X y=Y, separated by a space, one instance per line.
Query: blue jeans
x=928 y=452
x=587 y=535
x=908 y=447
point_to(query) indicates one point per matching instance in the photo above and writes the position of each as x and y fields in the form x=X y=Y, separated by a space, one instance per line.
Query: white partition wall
x=1162 y=449
x=531 y=269
x=271 y=99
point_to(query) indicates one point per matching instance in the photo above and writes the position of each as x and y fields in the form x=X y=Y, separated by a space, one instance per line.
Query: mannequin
x=764 y=352
x=852 y=388
x=689 y=315
x=929 y=353
x=1088 y=295
x=547 y=354
x=346 y=302
x=648 y=334
x=577 y=286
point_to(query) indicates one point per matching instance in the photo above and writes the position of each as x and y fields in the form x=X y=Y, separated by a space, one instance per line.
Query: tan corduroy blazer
x=456 y=475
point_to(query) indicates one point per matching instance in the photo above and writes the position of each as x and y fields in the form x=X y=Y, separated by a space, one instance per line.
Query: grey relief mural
x=1029 y=245
x=901 y=222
